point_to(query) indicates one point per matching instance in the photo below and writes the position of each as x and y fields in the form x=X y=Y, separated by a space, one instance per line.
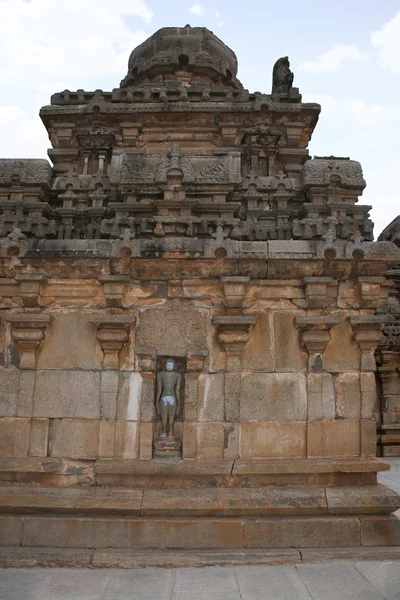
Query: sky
x=345 y=55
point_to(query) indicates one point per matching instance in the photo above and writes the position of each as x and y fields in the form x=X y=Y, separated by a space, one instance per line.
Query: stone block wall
x=271 y=381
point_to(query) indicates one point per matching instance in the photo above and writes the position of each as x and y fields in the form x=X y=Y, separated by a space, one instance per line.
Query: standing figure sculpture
x=168 y=401
x=282 y=76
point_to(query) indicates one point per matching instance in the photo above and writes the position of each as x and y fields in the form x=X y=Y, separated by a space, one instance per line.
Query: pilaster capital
x=367 y=333
x=233 y=333
x=114 y=289
x=315 y=334
x=28 y=331
x=112 y=334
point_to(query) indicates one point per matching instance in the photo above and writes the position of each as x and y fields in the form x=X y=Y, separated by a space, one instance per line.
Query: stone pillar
x=233 y=334
x=367 y=332
x=28 y=331
x=315 y=334
x=195 y=365
x=112 y=334
x=146 y=364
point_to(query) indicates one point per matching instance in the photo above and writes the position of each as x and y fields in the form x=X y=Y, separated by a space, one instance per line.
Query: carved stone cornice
x=233 y=334
x=315 y=334
x=112 y=334
x=367 y=331
x=320 y=292
x=27 y=332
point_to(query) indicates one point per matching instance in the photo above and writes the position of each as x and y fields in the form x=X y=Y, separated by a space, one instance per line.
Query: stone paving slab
x=326 y=581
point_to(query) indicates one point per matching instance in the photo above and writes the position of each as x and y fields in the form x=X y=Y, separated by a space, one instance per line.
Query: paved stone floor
x=367 y=580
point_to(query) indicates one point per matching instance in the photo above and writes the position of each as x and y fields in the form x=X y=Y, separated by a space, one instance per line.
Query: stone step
x=128 y=559
x=369 y=499
x=193 y=533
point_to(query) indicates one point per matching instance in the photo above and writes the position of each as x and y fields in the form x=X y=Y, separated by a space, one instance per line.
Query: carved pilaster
x=315 y=334
x=233 y=334
x=27 y=332
x=114 y=289
x=113 y=334
x=367 y=332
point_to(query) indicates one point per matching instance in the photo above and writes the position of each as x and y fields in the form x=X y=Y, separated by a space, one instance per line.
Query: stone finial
x=233 y=334
x=368 y=334
x=282 y=76
x=112 y=334
x=28 y=331
x=315 y=334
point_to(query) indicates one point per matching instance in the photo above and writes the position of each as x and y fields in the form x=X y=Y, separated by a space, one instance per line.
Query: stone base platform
x=11 y=556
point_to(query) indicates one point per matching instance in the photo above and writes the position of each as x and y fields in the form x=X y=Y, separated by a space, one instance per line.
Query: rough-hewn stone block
x=39 y=435
x=341 y=354
x=380 y=531
x=74 y=438
x=126 y=439
x=333 y=438
x=146 y=441
x=106 y=439
x=258 y=354
x=70 y=394
x=302 y=532
x=211 y=397
x=321 y=396
x=210 y=441
x=348 y=396
x=273 y=440
x=289 y=355
x=9 y=381
x=68 y=331
x=7 y=436
x=273 y=397
x=129 y=396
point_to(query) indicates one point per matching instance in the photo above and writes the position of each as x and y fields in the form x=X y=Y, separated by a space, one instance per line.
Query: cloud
x=197 y=9
x=44 y=41
x=387 y=43
x=22 y=136
x=332 y=60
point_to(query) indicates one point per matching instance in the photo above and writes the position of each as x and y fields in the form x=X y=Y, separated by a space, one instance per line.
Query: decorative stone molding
x=320 y=292
x=113 y=334
x=114 y=289
x=28 y=331
x=315 y=334
x=368 y=333
x=233 y=334
x=195 y=360
x=30 y=285
x=234 y=291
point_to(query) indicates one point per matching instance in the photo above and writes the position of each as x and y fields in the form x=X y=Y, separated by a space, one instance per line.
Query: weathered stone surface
x=361 y=499
x=25 y=393
x=273 y=397
x=210 y=441
x=348 y=396
x=70 y=330
x=126 y=439
x=380 y=531
x=129 y=396
x=38 y=437
x=170 y=333
x=9 y=381
x=211 y=404
x=132 y=533
x=342 y=354
x=321 y=396
x=106 y=439
x=273 y=440
x=302 y=532
x=10 y=530
x=74 y=438
x=333 y=438
x=7 y=436
x=368 y=438
x=289 y=355
x=258 y=353
x=72 y=394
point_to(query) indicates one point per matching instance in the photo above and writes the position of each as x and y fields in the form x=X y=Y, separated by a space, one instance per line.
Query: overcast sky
x=344 y=54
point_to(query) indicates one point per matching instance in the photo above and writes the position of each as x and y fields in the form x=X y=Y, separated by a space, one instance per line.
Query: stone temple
x=199 y=337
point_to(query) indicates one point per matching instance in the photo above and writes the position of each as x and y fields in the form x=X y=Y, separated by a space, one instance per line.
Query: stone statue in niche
x=282 y=76
x=168 y=406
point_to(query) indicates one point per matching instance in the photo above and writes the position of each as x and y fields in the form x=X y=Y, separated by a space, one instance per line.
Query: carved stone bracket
x=28 y=331
x=146 y=359
x=233 y=334
x=315 y=334
x=234 y=291
x=374 y=291
x=114 y=289
x=30 y=285
x=368 y=333
x=320 y=291
x=112 y=333
x=195 y=360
